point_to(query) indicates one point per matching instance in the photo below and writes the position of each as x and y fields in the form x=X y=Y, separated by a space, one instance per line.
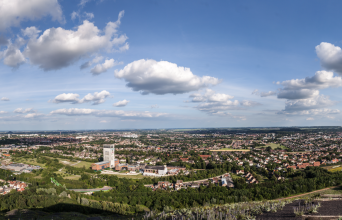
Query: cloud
x=73 y=98
x=13 y=12
x=269 y=93
x=3 y=40
x=96 y=98
x=74 y=15
x=330 y=57
x=218 y=104
x=24 y=111
x=255 y=92
x=310 y=119
x=121 y=103
x=67 y=97
x=86 y=15
x=89 y=15
x=31 y=32
x=4 y=99
x=210 y=96
x=320 y=101
x=315 y=112
x=107 y=113
x=249 y=103
x=297 y=94
x=264 y=94
x=34 y=115
x=89 y=63
x=12 y=56
x=57 y=47
x=150 y=76
x=321 y=80
x=101 y=68
x=308 y=87
x=104 y=121
x=83 y=2
x=3 y=112
x=155 y=106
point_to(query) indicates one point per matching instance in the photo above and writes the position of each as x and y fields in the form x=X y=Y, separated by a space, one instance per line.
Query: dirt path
x=307 y=193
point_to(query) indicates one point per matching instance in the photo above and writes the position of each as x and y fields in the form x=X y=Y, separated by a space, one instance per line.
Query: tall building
x=109 y=154
x=109 y=160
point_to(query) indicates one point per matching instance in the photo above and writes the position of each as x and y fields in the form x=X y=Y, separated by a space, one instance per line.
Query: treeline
x=59 y=200
x=132 y=193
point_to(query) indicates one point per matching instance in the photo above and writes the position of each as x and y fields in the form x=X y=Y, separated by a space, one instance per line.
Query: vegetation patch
x=231 y=149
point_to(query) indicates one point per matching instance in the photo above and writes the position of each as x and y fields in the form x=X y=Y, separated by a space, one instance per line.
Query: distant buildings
x=18 y=168
x=155 y=170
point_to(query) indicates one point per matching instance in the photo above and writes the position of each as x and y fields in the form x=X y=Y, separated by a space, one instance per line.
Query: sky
x=132 y=64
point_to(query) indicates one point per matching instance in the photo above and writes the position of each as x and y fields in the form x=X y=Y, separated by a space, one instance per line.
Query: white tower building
x=109 y=154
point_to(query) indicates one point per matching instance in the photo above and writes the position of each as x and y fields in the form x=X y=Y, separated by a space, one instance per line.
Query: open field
x=72 y=177
x=231 y=149
x=234 y=176
x=83 y=163
x=140 y=176
x=333 y=168
x=274 y=146
x=29 y=161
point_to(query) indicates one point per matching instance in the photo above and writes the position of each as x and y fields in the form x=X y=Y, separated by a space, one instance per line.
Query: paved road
x=92 y=190
x=198 y=181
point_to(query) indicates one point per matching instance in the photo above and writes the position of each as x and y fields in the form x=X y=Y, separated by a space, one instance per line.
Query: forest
x=130 y=196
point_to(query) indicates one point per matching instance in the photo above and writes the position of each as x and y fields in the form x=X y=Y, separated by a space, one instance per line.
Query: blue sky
x=169 y=64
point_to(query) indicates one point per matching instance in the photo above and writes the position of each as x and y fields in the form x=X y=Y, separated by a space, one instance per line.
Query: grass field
x=72 y=177
x=30 y=162
x=274 y=146
x=234 y=176
x=131 y=176
x=231 y=149
x=334 y=168
x=83 y=163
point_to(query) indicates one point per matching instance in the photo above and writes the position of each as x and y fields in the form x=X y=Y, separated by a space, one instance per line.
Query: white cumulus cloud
x=121 y=103
x=12 y=56
x=96 y=98
x=150 y=76
x=320 y=101
x=330 y=56
x=73 y=98
x=101 y=68
x=308 y=87
x=4 y=99
x=13 y=12
x=56 y=48
x=67 y=97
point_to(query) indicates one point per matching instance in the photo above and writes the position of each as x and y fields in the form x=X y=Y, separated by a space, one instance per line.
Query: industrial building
x=155 y=170
x=100 y=165
x=109 y=160
x=130 y=167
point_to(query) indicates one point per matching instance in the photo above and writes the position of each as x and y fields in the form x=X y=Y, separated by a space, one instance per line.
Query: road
x=198 y=181
x=92 y=190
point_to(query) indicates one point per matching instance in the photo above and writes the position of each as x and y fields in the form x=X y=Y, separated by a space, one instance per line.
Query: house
x=240 y=172
x=205 y=157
